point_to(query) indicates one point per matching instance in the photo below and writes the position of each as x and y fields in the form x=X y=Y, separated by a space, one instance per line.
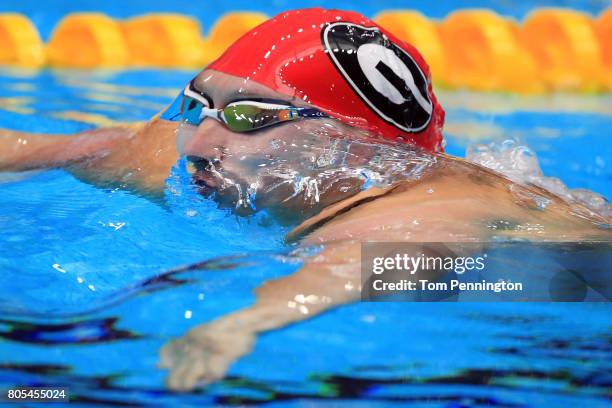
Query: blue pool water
x=87 y=299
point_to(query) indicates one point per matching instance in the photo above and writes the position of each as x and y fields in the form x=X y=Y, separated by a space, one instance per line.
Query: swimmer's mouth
x=205 y=174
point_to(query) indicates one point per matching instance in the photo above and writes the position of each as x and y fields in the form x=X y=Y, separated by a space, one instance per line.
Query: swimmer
x=329 y=122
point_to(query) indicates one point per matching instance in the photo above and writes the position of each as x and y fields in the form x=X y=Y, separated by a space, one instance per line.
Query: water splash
x=519 y=163
x=305 y=169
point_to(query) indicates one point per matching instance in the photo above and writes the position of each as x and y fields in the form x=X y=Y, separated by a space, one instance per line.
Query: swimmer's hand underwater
x=339 y=186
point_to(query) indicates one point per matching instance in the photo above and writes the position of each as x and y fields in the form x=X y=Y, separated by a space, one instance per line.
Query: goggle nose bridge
x=213 y=113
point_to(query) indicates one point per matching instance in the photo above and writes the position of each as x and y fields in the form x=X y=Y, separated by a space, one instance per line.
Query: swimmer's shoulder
x=458 y=197
x=334 y=211
x=373 y=194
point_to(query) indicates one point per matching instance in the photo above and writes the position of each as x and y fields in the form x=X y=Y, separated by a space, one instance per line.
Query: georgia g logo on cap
x=386 y=77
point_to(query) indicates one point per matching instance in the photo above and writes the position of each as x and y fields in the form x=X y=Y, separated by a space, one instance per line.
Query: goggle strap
x=310 y=112
x=195 y=95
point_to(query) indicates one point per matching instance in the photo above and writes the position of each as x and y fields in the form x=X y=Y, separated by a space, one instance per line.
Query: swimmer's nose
x=206 y=140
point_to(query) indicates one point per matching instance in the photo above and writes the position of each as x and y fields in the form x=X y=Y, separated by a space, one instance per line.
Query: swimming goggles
x=239 y=116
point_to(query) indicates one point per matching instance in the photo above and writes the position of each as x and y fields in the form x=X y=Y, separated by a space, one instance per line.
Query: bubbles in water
x=592 y=200
x=516 y=162
x=275 y=144
x=519 y=163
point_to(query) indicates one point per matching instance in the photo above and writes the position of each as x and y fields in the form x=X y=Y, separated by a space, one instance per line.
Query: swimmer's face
x=258 y=168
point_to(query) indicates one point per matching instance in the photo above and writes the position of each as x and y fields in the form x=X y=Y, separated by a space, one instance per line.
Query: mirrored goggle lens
x=245 y=118
x=191 y=110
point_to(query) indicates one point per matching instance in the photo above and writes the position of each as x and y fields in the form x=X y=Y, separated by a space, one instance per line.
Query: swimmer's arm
x=205 y=353
x=327 y=280
x=21 y=151
x=136 y=157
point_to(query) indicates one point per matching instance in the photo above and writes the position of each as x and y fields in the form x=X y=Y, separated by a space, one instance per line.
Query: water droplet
x=58 y=268
x=541 y=202
x=368 y=318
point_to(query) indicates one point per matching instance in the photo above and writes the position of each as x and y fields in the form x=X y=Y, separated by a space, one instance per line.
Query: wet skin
x=453 y=200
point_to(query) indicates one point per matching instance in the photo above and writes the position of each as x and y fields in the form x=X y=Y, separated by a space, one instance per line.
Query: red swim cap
x=345 y=65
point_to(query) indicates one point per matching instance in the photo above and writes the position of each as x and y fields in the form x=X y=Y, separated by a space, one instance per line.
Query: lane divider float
x=164 y=40
x=87 y=40
x=484 y=53
x=20 y=43
x=565 y=48
x=552 y=49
